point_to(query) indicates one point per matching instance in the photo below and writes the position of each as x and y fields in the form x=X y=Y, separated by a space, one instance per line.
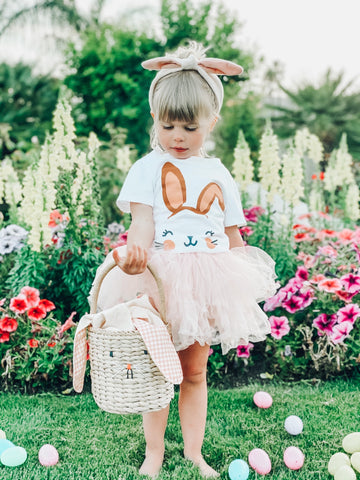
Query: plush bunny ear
x=220 y=67
x=173 y=187
x=158 y=63
x=207 y=198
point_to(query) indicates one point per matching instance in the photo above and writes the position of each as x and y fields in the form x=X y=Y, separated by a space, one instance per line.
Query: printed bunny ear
x=220 y=67
x=173 y=187
x=207 y=198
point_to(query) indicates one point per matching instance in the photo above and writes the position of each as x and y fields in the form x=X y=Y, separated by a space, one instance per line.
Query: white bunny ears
x=208 y=68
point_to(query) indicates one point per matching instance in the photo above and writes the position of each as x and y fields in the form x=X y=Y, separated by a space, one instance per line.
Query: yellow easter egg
x=351 y=442
x=355 y=461
x=345 y=473
x=336 y=461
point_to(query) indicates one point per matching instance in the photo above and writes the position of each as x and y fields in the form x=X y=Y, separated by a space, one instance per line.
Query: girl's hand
x=135 y=261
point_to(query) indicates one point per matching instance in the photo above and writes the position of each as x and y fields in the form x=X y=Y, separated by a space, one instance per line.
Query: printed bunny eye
x=167 y=232
x=209 y=232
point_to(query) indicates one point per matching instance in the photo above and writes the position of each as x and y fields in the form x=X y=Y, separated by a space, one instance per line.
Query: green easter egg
x=13 y=457
x=2 y=434
x=336 y=461
x=351 y=442
x=345 y=473
x=355 y=461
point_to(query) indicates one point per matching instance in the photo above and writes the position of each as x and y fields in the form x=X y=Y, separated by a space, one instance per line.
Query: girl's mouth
x=179 y=149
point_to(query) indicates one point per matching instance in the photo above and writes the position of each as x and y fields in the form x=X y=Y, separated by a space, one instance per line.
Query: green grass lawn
x=96 y=445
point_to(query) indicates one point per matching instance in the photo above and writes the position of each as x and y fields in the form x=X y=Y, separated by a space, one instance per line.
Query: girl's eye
x=190 y=129
x=167 y=232
x=209 y=232
x=167 y=127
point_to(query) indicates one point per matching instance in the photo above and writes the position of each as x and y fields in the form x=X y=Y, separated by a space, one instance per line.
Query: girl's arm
x=235 y=239
x=140 y=238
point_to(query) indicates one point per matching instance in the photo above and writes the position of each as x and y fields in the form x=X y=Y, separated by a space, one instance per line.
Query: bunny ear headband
x=208 y=68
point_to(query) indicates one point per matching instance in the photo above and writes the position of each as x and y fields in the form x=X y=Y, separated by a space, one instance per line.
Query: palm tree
x=328 y=110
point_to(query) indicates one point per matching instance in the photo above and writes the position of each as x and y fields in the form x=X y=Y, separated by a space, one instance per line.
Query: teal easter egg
x=13 y=457
x=2 y=434
x=5 y=444
x=238 y=470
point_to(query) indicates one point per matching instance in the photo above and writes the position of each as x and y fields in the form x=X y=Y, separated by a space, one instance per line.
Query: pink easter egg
x=294 y=458
x=262 y=399
x=48 y=455
x=259 y=460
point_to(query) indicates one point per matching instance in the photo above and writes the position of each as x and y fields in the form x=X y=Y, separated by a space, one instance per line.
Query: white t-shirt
x=192 y=199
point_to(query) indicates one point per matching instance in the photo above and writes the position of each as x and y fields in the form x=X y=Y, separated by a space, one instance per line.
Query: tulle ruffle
x=210 y=298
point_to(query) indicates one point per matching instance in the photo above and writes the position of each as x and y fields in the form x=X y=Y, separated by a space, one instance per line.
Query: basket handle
x=109 y=267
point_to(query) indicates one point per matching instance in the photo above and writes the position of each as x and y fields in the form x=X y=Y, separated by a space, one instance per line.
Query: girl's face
x=181 y=139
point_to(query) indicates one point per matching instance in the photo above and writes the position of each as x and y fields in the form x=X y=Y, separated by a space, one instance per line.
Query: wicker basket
x=124 y=378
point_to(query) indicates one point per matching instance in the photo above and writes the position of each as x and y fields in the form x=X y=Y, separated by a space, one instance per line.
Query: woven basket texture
x=124 y=379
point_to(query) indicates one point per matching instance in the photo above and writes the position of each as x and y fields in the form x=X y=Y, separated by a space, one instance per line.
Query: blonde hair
x=183 y=95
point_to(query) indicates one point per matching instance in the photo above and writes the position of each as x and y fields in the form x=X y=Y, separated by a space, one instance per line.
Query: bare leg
x=154 y=424
x=193 y=404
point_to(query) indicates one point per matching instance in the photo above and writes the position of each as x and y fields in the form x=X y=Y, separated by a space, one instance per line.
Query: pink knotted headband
x=208 y=68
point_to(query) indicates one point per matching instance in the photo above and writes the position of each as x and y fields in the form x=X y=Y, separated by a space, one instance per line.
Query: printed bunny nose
x=190 y=243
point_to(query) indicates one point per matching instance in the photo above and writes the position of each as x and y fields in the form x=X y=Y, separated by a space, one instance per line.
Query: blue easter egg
x=13 y=457
x=238 y=470
x=5 y=444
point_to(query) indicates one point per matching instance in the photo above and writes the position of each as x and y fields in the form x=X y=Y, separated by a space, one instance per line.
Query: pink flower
x=302 y=273
x=8 y=324
x=36 y=313
x=357 y=250
x=32 y=296
x=243 y=351
x=317 y=278
x=330 y=285
x=341 y=332
x=253 y=213
x=346 y=314
x=324 y=323
x=33 y=343
x=307 y=298
x=211 y=351
x=345 y=296
x=293 y=304
x=346 y=235
x=47 y=305
x=327 y=251
x=275 y=301
x=248 y=231
x=279 y=326
x=67 y=324
x=2 y=301
x=351 y=282
x=18 y=304
x=4 y=336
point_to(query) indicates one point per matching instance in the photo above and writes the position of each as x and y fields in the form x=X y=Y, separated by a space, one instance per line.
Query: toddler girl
x=186 y=212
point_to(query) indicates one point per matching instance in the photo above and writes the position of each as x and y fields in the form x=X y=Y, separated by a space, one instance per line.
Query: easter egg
x=238 y=470
x=262 y=399
x=355 y=461
x=351 y=442
x=336 y=461
x=293 y=425
x=345 y=473
x=5 y=444
x=294 y=458
x=13 y=456
x=48 y=455
x=2 y=434
x=259 y=460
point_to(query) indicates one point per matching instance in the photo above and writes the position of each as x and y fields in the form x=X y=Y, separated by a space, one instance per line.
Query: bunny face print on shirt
x=192 y=217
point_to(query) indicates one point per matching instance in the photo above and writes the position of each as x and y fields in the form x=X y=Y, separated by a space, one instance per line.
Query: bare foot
x=152 y=464
x=205 y=469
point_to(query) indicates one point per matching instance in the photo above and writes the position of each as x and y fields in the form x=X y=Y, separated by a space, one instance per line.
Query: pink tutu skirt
x=210 y=298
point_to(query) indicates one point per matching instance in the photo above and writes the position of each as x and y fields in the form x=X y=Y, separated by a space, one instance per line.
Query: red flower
x=51 y=344
x=55 y=218
x=301 y=237
x=33 y=343
x=330 y=285
x=4 y=336
x=47 y=305
x=32 y=296
x=18 y=304
x=36 y=313
x=314 y=176
x=8 y=324
x=321 y=175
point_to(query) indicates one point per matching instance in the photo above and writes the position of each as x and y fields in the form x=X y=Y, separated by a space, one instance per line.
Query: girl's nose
x=178 y=135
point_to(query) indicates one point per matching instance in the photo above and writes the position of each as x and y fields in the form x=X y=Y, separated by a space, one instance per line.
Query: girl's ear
x=213 y=123
x=173 y=187
x=153 y=115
